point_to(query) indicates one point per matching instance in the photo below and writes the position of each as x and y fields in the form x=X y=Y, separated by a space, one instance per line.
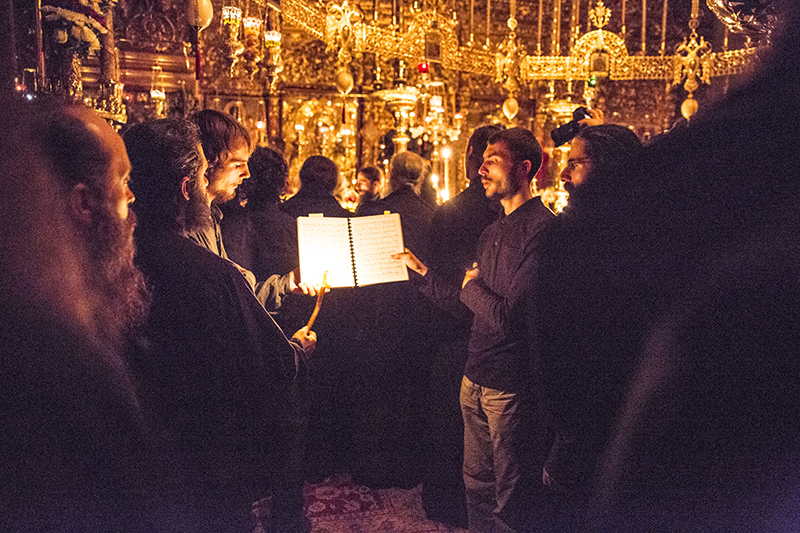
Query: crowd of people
x=628 y=365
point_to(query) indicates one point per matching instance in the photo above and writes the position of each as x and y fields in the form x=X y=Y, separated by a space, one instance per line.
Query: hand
x=298 y=287
x=249 y=276
x=472 y=273
x=411 y=261
x=596 y=120
x=307 y=339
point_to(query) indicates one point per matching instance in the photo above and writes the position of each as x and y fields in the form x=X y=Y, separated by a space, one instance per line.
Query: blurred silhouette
x=76 y=451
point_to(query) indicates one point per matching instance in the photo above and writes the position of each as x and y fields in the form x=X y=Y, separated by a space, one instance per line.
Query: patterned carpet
x=337 y=505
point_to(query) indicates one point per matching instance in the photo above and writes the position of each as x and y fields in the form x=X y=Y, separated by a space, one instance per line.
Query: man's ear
x=81 y=203
x=185 y=187
x=524 y=169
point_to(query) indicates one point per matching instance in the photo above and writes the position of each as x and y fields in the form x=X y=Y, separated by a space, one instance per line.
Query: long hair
x=220 y=134
x=268 y=173
x=162 y=153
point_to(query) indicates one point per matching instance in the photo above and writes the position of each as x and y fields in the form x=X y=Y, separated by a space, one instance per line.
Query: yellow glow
x=231 y=15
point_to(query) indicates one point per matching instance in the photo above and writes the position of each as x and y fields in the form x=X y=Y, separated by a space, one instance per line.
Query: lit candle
x=644 y=27
x=664 y=29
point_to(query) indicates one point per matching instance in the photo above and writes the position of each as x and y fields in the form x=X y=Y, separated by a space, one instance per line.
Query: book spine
x=352 y=253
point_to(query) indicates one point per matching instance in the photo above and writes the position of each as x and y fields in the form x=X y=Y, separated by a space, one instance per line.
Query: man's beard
x=198 y=212
x=122 y=284
x=569 y=187
x=224 y=197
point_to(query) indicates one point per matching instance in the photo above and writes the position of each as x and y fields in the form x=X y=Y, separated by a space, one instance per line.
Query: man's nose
x=565 y=176
x=246 y=172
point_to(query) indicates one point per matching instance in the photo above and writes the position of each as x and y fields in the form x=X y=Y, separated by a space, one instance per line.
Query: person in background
x=456 y=227
x=330 y=394
x=260 y=236
x=368 y=187
x=395 y=336
x=319 y=177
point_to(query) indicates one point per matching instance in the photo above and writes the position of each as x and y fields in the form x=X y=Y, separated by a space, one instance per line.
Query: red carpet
x=337 y=505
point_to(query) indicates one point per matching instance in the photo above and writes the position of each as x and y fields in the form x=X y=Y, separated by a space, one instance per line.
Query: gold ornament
x=344 y=82
x=689 y=108
x=510 y=108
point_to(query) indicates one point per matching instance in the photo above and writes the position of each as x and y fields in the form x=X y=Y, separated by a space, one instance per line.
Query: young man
x=226 y=145
x=496 y=390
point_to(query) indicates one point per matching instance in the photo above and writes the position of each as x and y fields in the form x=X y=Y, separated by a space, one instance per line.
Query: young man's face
x=497 y=172
x=578 y=166
x=223 y=179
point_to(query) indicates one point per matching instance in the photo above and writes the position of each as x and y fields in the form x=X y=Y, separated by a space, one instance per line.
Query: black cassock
x=218 y=372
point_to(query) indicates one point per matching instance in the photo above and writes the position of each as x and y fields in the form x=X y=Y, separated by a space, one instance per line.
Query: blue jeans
x=496 y=462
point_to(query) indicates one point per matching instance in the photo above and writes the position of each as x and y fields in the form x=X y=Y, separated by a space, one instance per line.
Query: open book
x=353 y=251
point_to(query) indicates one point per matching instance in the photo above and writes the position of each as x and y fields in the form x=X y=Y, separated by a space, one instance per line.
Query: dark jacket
x=415 y=217
x=263 y=240
x=306 y=202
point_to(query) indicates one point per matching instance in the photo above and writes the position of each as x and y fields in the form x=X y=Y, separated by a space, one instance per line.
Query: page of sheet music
x=324 y=245
x=374 y=239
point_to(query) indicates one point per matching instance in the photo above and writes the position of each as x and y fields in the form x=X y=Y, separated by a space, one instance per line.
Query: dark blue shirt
x=500 y=296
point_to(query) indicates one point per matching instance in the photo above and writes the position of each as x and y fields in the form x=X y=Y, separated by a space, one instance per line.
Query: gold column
x=539 y=31
x=488 y=21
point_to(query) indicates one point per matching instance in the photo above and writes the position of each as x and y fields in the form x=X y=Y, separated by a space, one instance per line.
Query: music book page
x=353 y=251
x=324 y=245
x=374 y=239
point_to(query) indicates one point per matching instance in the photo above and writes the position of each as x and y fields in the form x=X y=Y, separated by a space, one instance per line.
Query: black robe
x=218 y=372
x=457 y=225
x=394 y=340
x=328 y=444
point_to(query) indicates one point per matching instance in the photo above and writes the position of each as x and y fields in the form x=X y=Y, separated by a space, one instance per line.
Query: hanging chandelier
x=251 y=44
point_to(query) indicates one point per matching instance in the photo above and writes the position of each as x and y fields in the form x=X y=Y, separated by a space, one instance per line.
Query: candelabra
x=233 y=48
x=251 y=46
x=401 y=101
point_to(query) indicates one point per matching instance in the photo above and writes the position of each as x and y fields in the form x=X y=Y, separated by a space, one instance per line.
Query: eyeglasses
x=573 y=163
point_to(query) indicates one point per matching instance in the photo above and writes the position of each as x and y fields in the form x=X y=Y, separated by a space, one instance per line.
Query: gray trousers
x=497 y=469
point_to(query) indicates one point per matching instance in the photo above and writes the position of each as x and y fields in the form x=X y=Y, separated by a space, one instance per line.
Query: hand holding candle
x=307 y=339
